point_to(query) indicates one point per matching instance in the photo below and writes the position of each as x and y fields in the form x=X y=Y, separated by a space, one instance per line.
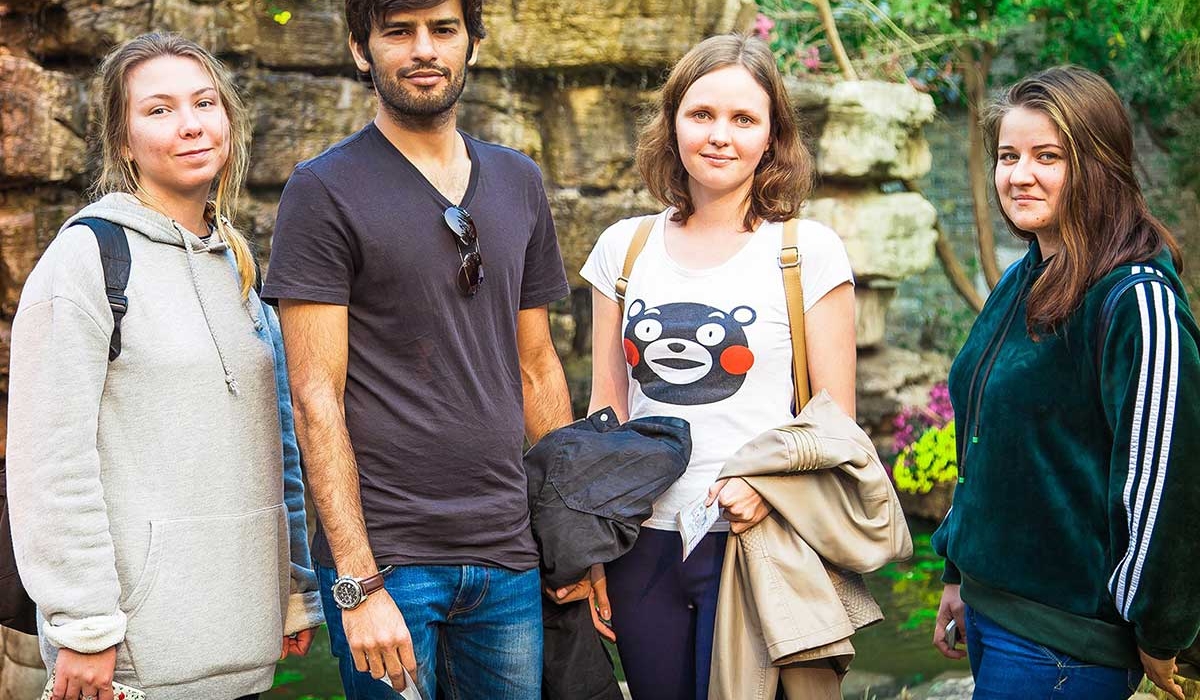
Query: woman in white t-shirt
x=704 y=335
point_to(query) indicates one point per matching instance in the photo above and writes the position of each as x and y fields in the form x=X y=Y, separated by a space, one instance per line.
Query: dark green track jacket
x=1076 y=520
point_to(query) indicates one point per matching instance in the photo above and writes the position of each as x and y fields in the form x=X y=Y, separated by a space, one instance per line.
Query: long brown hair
x=1103 y=219
x=119 y=174
x=784 y=177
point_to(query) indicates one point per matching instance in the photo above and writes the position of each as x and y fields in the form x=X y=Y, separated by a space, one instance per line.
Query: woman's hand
x=744 y=508
x=950 y=608
x=601 y=610
x=79 y=675
x=1161 y=673
x=297 y=643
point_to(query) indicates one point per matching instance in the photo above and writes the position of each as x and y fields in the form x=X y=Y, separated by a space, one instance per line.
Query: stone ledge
x=497 y=108
x=580 y=219
x=297 y=116
x=890 y=379
x=865 y=130
x=870 y=314
x=43 y=117
x=887 y=236
x=648 y=33
x=29 y=220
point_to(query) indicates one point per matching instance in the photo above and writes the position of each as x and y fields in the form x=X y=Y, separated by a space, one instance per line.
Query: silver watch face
x=347 y=593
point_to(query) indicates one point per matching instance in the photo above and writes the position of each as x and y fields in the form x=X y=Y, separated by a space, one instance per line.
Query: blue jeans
x=476 y=631
x=1007 y=666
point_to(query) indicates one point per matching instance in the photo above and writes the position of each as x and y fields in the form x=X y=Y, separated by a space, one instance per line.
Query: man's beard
x=421 y=109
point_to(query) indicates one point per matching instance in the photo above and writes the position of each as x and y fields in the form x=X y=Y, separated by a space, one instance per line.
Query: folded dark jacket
x=593 y=482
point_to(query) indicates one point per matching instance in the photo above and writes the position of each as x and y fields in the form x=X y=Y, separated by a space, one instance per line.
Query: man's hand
x=744 y=508
x=950 y=608
x=79 y=675
x=579 y=590
x=601 y=610
x=297 y=643
x=1161 y=673
x=379 y=640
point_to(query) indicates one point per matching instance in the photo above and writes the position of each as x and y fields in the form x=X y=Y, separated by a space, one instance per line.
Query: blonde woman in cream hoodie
x=156 y=501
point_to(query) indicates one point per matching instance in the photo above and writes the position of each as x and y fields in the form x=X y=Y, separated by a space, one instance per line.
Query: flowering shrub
x=789 y=31
x=929 y=461
x=924 y=439
x=913 y=421
x=763 y=26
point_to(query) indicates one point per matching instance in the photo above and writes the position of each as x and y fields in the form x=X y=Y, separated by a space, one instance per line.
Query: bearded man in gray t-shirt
x=413 y=265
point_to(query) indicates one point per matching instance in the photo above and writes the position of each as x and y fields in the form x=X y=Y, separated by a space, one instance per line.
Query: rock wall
x=564 y=86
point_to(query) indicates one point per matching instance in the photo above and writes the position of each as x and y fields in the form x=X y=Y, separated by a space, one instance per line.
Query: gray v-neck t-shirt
x=433 y=385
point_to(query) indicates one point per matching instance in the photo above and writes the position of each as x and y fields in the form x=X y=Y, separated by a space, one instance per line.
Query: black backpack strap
x=116 y=261
x=1110 y=304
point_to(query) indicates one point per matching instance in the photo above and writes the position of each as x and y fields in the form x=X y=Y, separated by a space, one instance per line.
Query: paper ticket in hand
x=410 y=691
x=694 y=521
x=119 y=692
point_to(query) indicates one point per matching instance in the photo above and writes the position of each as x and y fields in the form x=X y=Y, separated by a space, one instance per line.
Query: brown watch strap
x=371 y=584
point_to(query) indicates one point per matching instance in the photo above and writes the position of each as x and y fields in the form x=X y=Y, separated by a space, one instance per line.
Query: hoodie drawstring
x=231 y=382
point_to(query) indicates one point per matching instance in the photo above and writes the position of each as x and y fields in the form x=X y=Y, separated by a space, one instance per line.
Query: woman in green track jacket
x=1071 y=549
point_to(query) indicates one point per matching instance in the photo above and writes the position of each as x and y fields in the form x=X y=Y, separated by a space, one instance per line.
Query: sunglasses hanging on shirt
x=466 y=238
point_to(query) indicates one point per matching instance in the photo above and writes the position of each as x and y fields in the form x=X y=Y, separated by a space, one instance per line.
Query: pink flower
x=763 y=26
x=939 y=402
x=812 y=59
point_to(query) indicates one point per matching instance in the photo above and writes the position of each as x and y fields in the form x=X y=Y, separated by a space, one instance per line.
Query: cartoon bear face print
x=688 y=354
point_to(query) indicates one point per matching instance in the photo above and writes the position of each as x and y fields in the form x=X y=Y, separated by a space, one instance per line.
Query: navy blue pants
x=663 y=611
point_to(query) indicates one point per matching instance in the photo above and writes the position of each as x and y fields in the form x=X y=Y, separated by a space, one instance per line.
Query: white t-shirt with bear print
x=712 y=346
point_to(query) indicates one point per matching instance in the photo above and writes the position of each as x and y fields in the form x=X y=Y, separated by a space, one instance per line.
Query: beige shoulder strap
x=789 y=263
x=635 y=249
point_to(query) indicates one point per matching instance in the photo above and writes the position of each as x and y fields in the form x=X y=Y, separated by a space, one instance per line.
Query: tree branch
x=974 y=81
x=954 y=270
x=835 y=39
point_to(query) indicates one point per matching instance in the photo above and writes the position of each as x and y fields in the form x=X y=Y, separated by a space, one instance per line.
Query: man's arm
x=316 y=341
x=547 y=401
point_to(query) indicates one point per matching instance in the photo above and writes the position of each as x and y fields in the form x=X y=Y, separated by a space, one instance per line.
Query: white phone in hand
x=120 y=692
x=953 y=634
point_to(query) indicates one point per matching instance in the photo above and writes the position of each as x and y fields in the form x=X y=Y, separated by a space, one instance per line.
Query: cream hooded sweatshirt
x=147 y=494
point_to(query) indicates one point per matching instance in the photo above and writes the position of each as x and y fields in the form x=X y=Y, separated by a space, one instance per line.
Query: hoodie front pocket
x=208 y=601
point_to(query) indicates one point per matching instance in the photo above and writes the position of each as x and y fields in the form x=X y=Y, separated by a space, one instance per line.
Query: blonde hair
x=119 y=174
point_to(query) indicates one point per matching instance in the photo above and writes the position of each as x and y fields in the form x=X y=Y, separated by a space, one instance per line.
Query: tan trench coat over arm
x=791 y=587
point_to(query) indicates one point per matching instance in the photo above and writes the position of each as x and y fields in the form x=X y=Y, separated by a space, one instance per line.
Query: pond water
x=899 y=646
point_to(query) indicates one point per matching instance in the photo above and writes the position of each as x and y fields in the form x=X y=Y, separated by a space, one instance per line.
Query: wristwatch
x=349 y=592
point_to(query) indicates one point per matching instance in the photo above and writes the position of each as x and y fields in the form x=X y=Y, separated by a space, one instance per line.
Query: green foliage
x=916 y=585
x=1148 y=49
x=945 y=325
x=284 y=676
x=1150 y=52
x=929 y=461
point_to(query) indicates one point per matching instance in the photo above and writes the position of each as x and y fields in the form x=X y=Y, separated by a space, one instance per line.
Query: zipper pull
x=962 y=472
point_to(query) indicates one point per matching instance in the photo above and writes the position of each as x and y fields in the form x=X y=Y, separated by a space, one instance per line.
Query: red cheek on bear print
x=736 y=360
x=631 y=353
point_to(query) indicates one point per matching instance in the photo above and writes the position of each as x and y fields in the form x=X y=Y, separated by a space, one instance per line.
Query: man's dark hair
x=363 y=15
